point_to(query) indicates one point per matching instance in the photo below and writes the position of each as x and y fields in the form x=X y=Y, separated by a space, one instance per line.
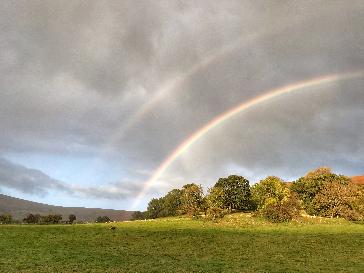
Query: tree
x=32 y=219
x=51 y=218
x=154 y=209
x=309 y=186
x=271 y=190
x=138 y=215
x=6 y=219
x=338 y=200
x=171 y=203
x=192 y=199
x=234 y=192
x=274 y=200
x=102 y=219
x=71 y=218
x=215 y=205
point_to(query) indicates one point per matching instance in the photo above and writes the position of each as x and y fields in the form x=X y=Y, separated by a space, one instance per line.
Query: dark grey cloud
x=26 y=180
x=74 y=73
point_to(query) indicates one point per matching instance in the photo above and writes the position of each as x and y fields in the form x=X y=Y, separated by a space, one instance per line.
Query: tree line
x=319 y=193
x=46 y=219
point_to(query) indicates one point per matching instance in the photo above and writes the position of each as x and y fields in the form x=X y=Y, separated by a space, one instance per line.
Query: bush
x=138 y=215
x=216 y=213
x=6 y=219
x=71 y=218
x=282 y=211
x=102 y=219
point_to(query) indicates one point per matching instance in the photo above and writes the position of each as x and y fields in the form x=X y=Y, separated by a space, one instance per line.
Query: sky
x=110 y=103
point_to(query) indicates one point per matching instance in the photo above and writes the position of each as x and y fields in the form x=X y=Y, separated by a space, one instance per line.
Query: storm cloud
x=75 y=73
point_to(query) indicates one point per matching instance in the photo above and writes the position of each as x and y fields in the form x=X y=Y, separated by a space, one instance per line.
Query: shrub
x=102 y=219
x=282 y=211
x=6 y=219
x=138 y=215
x=71 y=218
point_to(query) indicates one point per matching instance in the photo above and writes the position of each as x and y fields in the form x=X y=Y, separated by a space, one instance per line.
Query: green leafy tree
x=6 y=219
x=192 y=199
x=71 y=218
x=271 y=190
x=51 y=219
x=32 y=218
x=154 y=209
x=138 y=215
x=234 y=192
x=309 y=186
x=171 y=203
x=274 y=200
x=215 y=206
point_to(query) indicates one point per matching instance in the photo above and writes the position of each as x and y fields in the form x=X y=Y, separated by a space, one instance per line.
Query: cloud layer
x=74 y=75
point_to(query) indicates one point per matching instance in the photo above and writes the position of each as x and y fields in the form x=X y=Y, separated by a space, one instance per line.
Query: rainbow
x=178 y=80
x=187 y=143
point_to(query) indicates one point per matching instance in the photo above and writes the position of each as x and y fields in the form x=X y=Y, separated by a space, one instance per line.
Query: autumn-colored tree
x=309 y=186
x=339 y=200
x=192 y=199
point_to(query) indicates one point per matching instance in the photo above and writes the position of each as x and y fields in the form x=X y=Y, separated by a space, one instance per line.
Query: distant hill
x=358 y=179
x=19 y=208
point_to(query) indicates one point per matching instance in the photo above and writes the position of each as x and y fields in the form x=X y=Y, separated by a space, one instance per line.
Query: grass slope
x=239 y=243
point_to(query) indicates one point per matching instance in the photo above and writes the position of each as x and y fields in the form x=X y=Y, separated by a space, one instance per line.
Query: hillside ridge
x=19 y=208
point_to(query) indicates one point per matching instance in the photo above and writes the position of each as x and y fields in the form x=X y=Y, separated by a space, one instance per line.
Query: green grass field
x=239 y=243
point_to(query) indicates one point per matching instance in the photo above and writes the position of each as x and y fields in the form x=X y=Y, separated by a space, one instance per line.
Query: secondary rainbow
x=232 y=112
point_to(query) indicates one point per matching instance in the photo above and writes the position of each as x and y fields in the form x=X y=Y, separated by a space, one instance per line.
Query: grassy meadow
x=238 y=243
